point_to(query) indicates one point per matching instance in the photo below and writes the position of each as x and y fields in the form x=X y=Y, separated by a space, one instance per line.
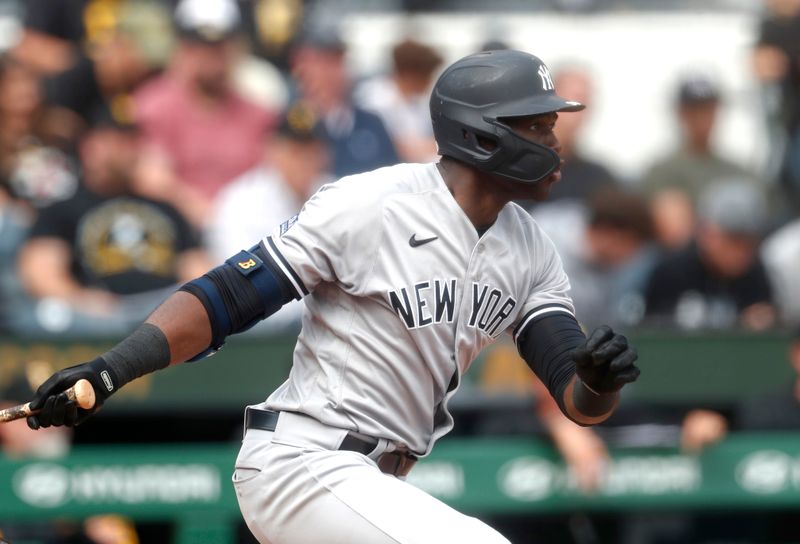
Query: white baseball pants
x=295 y=487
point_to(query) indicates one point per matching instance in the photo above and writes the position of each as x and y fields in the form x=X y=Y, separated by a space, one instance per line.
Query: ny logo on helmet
x=547 y=81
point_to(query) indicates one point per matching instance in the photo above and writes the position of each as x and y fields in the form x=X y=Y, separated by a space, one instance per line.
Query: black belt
x=397 y=463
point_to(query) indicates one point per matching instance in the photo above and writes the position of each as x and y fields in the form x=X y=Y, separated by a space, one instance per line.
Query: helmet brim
x=538 y=105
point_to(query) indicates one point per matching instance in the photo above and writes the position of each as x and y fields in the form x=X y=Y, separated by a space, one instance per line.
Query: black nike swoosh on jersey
x=413 y=242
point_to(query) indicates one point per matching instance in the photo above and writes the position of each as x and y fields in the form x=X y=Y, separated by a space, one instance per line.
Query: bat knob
x=84 y=394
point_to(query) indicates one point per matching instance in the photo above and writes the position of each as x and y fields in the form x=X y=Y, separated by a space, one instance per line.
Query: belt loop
x=382 y=447
x=244 y=421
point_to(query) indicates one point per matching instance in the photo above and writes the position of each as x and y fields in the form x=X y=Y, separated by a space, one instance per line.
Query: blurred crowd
x=143 y=141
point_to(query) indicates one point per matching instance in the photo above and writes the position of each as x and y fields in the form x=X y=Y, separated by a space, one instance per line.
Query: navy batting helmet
x=473 y=97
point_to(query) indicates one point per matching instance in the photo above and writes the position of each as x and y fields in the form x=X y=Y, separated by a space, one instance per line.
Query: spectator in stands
x=130 y=46
x=565 y=214
x=357 y=138
x=29 y=169
x=776 y=67
x=198 y=132
x=14 y=223
x=20 y=107
x=273 y=31
x=675 y=182
x=32 y=175
x=718 y=280
x=296 y=163
x=610 y=259
x=87 y=51
x=52 y=35
x=107 y=253
x=401 y=99
x=271 y=28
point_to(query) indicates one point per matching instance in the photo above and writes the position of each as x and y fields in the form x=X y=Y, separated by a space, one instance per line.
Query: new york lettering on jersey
x=429 y=302
x=433 y=301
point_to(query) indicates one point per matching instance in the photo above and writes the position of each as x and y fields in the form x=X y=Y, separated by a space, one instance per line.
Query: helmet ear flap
x=523 y=160
x=486 y=143
x=496 y=149
x=480 y=142
x=461 y=141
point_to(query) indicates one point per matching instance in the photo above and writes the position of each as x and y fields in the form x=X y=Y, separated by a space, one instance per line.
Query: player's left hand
x=605 y=362
x=52 y=405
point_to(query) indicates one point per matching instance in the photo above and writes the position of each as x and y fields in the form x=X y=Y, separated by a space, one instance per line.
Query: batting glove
x=54 y=408
x=605 y=361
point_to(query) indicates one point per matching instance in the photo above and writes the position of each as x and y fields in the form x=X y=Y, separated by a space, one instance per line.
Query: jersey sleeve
x=549 y=288
x=334 y=238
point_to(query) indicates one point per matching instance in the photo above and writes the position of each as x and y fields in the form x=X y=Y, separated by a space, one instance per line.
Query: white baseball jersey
x=401 y=295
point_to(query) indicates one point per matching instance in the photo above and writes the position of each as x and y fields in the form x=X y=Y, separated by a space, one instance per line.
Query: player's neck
x=479 y=201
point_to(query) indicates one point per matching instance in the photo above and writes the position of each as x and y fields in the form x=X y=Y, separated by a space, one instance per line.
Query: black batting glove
x=52 y=403
x=605 y=361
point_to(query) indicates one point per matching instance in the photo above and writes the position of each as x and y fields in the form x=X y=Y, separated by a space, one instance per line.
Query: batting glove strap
x=591 y=403
x=103 y=378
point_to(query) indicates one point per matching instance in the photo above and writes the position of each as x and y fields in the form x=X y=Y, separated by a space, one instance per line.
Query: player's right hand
x=605 y=362
x=54 y=408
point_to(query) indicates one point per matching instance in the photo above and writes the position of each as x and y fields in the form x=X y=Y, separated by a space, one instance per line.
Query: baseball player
x=407 y=272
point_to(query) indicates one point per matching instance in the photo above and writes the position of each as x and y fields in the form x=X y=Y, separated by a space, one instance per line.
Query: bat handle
x=82 y=393
x=15 y=412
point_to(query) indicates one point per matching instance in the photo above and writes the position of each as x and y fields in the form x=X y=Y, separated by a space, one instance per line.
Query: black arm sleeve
x=546 y=345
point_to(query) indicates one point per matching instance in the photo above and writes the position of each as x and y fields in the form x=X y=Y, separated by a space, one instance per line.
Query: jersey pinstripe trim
x=285 y=267
x=539 y=311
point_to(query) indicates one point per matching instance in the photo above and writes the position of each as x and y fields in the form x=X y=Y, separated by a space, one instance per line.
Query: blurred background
x=144 y=141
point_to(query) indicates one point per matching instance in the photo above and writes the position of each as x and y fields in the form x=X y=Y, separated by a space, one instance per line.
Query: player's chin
x=541 y=190
x=552 y=179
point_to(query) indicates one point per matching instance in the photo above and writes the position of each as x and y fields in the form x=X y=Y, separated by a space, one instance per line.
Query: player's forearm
x=176 y=331
x=185 y=325
x=581 y=410
x=586 y=407
x=583 y=375
x=546 y=345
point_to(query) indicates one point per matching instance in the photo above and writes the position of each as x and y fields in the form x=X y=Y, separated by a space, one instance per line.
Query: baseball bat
x=82 y=393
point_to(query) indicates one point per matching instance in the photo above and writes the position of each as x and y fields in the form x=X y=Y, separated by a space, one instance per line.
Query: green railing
x=190 y=486
x=708 y=368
